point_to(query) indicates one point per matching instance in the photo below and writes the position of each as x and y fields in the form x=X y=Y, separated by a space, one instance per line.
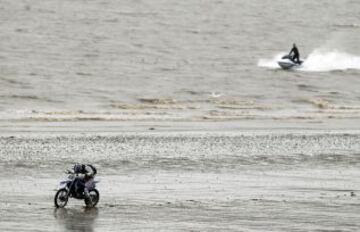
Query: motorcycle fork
x=69 y=189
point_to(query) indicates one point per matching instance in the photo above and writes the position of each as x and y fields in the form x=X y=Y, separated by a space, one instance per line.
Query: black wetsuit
x=296 y=57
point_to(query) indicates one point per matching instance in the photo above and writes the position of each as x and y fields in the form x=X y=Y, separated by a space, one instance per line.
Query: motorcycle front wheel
x=61 y=198
x=95 y=196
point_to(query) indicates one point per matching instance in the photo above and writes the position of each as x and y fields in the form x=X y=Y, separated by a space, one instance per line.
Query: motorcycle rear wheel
x=95 y=197
x=61 y=198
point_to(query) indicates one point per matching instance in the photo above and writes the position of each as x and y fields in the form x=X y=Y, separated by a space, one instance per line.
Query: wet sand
x=286 y=180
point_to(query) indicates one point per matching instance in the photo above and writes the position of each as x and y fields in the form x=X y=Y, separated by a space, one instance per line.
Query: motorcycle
x=67 y=189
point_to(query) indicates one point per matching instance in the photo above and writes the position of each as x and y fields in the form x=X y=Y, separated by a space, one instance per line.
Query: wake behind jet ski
x=291 y=60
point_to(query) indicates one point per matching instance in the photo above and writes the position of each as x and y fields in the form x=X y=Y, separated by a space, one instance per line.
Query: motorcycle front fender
x=63 y=185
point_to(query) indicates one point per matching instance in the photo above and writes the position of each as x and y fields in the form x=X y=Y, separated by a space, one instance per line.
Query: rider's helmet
x=77 y=168
x=294 y=45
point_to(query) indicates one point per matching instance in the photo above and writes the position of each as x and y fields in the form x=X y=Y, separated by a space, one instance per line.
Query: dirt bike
x=69 y=188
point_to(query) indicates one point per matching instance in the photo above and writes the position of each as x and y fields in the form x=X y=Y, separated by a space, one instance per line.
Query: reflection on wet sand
x=76 y=219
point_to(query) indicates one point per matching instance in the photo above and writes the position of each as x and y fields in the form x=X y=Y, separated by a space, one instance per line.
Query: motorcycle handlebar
x=69 y=172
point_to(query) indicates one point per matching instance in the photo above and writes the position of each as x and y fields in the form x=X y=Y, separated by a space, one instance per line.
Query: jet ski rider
x=85 y=177
x=296 y=56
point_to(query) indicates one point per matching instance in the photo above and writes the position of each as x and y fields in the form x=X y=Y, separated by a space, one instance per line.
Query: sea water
x=172 y=60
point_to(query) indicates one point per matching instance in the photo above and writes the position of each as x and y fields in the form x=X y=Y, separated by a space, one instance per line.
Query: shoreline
x=9 y=127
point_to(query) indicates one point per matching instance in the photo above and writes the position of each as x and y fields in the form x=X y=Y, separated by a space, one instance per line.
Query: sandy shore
x=252 y=180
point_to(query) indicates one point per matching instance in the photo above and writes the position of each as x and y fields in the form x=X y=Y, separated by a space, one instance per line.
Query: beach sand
x=184 y=180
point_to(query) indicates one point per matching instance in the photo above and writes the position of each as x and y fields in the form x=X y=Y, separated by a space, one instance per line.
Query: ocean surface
x=184 y=111
x=177 y=60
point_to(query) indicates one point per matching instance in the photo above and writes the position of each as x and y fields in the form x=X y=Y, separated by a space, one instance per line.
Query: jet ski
x=287 y=62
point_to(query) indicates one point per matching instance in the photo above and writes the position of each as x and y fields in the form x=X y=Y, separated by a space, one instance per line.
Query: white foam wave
x=270 y=63
x=319 y=61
